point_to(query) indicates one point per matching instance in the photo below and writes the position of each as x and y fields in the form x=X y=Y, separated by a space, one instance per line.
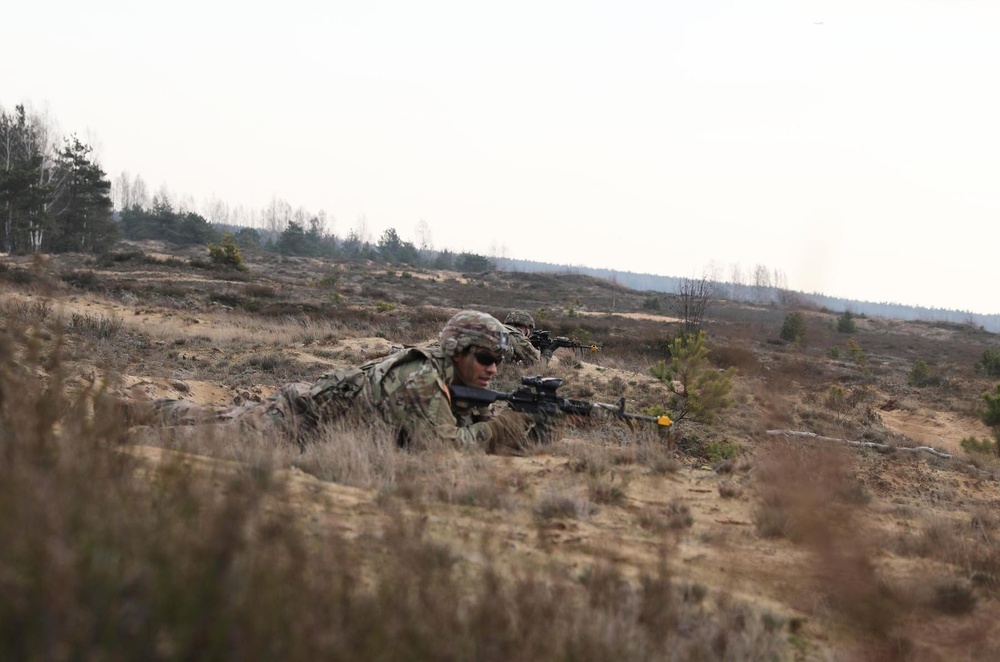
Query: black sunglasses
x=487 y=358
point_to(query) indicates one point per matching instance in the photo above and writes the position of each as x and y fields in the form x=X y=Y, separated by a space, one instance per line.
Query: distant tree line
x=57 y=199
x=297 y=238
x=761 y=289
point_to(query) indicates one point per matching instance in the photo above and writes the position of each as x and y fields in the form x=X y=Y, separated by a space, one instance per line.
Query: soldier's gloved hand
x=510 y=431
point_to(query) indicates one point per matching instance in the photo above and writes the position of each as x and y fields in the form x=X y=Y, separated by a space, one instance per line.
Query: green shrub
x=226 y=253
x=846 y=323
x=697 y=389
x=974 y=445
x=991 y=363
x=327 y=282
x=716 y=451
x=921 y=375
x=990 y=414
x=855 y=352
x=794 y=328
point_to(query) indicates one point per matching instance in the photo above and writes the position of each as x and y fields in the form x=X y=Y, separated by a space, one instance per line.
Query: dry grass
x=110 y=554
x=610 y=543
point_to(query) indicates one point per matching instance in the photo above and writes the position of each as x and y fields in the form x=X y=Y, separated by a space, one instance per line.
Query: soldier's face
x=476 y=366
x=526 y=330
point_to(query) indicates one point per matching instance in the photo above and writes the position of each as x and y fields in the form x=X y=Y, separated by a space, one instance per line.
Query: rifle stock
x=537 y=395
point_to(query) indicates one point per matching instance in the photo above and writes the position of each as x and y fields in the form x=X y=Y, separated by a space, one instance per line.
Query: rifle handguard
x=537 y=395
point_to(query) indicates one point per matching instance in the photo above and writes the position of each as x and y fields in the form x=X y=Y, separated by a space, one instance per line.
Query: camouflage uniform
x=408 y=389
x=520 y=348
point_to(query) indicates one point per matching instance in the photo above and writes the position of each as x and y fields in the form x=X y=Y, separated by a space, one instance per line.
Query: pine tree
x=697 y=389
x=81 y=203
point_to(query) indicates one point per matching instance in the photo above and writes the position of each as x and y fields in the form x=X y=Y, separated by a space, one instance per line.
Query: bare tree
x=737 y=280
x=138 y=192
x=276 y=215
x=761 y=283
x=328 y=221
x=186 y=204
x=780 y=281
x=302 y=216
x=424 y=235
x=121 y=191
x=128 y=192
x=693 y=298
x=241 y=216
x=217 y=211
x=361 y=231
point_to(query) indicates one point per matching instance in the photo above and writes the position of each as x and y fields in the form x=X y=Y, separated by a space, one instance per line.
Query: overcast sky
x=853 y=146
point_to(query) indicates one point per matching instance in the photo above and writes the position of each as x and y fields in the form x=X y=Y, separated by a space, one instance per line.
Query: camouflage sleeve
x=420 y=405
x=522 y=350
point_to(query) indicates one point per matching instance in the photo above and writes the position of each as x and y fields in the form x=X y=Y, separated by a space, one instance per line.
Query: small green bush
x=991 y=363
x=226 y=253
x=846 y=323
x=974 y=445
x=921 y=375
x=855 y=352
x=716 y=451
x=794 y=328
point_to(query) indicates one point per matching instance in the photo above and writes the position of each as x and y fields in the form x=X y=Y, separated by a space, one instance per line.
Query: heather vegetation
x=719 y=538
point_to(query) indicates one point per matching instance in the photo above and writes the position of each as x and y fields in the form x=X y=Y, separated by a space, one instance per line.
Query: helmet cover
x=519 y=318
x=471 y=328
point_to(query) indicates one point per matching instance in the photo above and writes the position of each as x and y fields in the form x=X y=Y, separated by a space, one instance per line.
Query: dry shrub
x=112 y=554
x=554 y=504
x=658 y=457
x=729 y=490
x=353 y=452
x=20 y=315
x=674 y=517
x=259 y=291
x=967 y=546
x=954 y=597
x=95 y=327
x=469 y=480
x=608 y=489
x=734 y=356
x=802 y=490
x=594 y=460
x=807 y=496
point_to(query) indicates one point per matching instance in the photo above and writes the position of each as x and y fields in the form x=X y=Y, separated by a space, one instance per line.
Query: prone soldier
x=408 y=390
x=519 y=325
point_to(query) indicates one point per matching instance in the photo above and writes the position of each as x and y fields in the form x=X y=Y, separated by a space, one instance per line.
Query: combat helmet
x=470 y=328
x=519 y=318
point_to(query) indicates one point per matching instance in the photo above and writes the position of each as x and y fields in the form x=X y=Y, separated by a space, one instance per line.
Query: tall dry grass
x=111 y=553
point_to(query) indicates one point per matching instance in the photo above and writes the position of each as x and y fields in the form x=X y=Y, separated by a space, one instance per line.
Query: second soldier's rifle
x=537 y=395
x=543 y=340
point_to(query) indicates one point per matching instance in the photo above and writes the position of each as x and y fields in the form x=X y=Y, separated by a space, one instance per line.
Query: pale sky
x=854 y=146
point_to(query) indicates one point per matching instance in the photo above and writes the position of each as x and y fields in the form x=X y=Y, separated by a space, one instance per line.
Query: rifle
x=543 y=341
x=537 y=395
